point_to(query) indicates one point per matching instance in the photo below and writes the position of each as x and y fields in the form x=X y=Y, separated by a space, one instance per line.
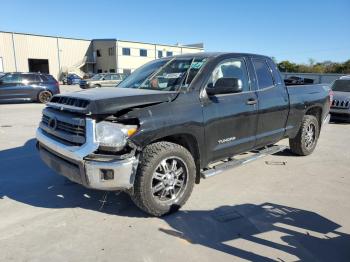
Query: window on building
x=99 y=71
x=126 y=71
x=126 y=51
x=111 y=51
x=263 y=73
x=98 y=52
x=168 y=53
x=160 y=53
x=112 y=70
x=143 y=52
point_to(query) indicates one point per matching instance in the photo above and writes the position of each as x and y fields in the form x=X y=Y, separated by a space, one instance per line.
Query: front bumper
x=340 y=114
x=73 y=162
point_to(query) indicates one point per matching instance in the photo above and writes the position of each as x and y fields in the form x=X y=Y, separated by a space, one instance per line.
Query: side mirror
x=225 y=85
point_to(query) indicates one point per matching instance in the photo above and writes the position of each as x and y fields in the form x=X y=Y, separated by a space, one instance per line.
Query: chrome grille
x=340 y=104
x=64 y=126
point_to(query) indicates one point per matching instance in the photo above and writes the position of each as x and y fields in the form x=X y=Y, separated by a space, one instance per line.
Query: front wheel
x=44 y=96
x=165 y=178
x=305 y=141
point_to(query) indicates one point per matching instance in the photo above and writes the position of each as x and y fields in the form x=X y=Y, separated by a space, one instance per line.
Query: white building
x=57 y=55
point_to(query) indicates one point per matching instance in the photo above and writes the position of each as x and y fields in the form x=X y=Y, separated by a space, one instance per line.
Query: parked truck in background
x=176 y=120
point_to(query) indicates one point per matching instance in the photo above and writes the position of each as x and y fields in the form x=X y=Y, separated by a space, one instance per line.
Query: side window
x=11 y=79
x=231 y=68
x=107 y=77
x=29 y=78
x=115 y=77
x=263 y=73
x=276 y=73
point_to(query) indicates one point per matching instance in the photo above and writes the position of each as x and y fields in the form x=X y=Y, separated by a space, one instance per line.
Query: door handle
x=251 y=101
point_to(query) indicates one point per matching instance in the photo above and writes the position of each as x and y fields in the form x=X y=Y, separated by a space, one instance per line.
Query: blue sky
x=295 y=30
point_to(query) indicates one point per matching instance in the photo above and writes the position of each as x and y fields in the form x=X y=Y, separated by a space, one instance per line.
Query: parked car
x=296 y=80
x=71 y=79
x=340 y=109
x=102 y=80
x=28 y=87
x=176 y=120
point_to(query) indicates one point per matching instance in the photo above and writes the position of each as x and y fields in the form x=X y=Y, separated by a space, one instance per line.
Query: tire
x=156 y=191
x=306 y=140
x=44 y=96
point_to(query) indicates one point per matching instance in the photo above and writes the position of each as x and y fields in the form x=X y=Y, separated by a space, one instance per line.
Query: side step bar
x=219 y=168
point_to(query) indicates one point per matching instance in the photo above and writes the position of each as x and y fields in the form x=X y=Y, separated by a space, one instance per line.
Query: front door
x=230 y=119
x=10 y=87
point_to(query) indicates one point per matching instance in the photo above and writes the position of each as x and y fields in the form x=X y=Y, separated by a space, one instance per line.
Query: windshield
x=341 y=85
x=165 y=74
x=96 y=77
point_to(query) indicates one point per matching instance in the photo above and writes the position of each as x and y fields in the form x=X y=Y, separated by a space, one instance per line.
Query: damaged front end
x=89 y=163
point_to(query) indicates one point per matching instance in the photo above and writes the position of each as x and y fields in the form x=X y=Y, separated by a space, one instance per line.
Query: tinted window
x=126 y=51
x=11 y=78
x=98 y=52
x=276 y=73
x=30 y=78
x=169 y=53
x=143 y=52
x=231 y=68
x=115 y=77
x=263 y=74
x=107 y=77
x=341 y=85
x=47 y=78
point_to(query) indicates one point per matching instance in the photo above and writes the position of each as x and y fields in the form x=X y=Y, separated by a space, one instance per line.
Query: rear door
x=115 y=79
x=10 y=87
x=30 y=86
x=107 y=80
x=273 y=102
x=230 y=119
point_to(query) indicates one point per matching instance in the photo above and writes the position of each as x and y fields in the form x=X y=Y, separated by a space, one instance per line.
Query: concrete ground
x=280 y=208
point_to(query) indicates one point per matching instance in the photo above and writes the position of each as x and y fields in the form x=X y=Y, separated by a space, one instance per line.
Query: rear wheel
x=44 y=96
x=305 y=141
x=165 y=178
x=96 y=86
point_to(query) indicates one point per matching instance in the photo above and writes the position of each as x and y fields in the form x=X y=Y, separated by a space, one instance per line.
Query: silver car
x=340 y=108
x=102 y=80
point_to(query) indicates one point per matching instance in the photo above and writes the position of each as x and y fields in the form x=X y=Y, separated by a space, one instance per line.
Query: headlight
x=113 y=136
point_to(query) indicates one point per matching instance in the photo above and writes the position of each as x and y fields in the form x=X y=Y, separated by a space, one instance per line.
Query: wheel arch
x=315 y=111
x=189 y=142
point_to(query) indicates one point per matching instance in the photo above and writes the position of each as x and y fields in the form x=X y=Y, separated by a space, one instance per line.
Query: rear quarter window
x=263 y=73
x=48 y=78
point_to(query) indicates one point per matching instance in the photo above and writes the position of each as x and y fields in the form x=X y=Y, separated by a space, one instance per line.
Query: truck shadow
x=25 y=178
x=248 y=231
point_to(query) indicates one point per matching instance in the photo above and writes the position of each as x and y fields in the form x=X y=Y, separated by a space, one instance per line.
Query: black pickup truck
x=176 y=120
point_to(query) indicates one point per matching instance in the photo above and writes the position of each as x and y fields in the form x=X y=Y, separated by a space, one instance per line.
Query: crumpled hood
x=109 y=100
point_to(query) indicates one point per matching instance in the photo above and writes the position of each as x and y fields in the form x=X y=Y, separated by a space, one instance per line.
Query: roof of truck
x=215 y=54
